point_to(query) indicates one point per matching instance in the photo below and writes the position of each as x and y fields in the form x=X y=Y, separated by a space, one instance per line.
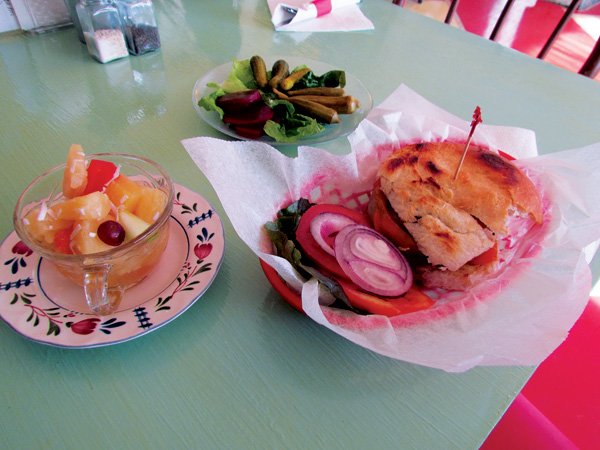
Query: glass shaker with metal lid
x=139 y=24
x=102 y=29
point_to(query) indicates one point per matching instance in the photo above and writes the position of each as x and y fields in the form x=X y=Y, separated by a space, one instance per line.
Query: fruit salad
x=99 y=210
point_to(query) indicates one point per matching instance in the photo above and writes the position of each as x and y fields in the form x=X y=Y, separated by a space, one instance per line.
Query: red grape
x=111 y=233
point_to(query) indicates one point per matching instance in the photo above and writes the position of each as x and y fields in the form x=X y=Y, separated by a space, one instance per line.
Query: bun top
x=454 y=220
x=488 y=187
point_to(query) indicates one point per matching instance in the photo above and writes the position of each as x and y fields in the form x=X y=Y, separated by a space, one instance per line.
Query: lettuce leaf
x=239 y=79
x=282 y=233
x=291 y=125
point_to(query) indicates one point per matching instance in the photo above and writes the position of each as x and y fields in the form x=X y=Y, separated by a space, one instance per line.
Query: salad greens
x=282 y=233
x=290 y=125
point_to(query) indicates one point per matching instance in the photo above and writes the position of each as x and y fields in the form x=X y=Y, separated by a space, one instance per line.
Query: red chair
x=591 y=66
x=559 y=407
x=449 y=15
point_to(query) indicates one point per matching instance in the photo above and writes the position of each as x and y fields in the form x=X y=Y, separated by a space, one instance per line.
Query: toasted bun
x=454 y=220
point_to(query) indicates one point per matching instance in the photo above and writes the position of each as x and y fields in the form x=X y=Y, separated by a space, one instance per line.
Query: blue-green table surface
x=241 y=369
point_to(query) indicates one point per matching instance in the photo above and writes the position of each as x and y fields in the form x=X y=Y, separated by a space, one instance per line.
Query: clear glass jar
x=102 y=29
x=139 y=24
x=71 y=7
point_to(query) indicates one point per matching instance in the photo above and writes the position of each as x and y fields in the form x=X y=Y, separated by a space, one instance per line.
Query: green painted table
x=241 y=369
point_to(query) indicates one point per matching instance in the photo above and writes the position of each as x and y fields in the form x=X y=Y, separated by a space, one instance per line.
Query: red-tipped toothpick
x=476 y=121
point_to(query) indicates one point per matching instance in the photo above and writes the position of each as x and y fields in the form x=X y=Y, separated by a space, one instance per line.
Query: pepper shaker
x=139 y=23
x=102 y=29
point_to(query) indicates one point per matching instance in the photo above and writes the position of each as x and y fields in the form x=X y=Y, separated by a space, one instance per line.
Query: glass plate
x=42 y=305
x=348 y=121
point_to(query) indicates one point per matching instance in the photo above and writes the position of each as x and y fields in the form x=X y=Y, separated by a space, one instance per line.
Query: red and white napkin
x=318 y=15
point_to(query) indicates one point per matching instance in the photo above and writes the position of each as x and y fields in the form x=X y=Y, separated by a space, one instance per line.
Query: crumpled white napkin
x=518 y=319
x=344 y=15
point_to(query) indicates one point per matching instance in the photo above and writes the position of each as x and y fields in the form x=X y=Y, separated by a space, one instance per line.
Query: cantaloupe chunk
x=93 y=206
x=75 y=174
x=151 y=205
x=124 y=192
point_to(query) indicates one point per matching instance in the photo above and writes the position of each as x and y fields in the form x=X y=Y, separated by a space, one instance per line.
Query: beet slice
x=255 y=116
x=249 y=132
x=236 y=102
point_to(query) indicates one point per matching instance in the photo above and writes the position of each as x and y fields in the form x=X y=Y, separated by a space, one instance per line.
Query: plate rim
x=200 y=89
x=18 y=321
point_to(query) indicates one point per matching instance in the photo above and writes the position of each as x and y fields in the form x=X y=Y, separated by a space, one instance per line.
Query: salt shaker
x=102 y=29
x=139 y=24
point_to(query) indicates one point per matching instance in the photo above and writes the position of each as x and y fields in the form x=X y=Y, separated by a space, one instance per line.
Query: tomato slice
x=99 y=174
x=411 y=301
x=310 y=246
x=486 y=257
x=384 y=222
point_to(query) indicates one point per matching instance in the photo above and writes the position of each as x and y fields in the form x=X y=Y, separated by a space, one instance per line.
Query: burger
x=459 y=228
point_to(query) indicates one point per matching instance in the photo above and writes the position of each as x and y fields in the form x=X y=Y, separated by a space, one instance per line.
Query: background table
x=241 y=369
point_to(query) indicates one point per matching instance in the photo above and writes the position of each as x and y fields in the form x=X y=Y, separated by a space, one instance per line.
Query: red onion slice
x=325 y=227
x=372 y=262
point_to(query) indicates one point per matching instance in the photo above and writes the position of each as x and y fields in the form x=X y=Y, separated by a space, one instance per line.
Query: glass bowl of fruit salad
x=101 y=219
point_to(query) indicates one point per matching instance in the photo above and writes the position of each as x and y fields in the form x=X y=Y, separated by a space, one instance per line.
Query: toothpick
x=476 y=120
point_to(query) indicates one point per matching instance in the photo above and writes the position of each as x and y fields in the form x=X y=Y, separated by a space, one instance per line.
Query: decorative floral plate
x=348 y=122
x=42 y=305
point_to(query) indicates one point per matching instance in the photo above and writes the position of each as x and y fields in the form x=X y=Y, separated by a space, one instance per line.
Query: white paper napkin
x=518 y=319
x=321 y=15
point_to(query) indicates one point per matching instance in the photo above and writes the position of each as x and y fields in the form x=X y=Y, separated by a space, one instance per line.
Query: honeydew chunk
x=133 y=225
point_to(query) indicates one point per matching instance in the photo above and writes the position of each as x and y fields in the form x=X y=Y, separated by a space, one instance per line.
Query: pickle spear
x=279 y=72
x=288 y=82
x=316 y=110
x=259 y=70
x=318 y=91
x=345 y=104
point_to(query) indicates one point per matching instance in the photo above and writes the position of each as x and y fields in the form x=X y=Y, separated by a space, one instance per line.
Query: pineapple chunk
x=75 y=174
x=151 y=205
x=124 y=192
x=42 y=224
x=85 y=240
x=93 y=206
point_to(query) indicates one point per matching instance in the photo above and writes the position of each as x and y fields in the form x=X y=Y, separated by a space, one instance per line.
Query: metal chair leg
x=500 y=21
x=451 y=11
x=565 y=18
x=591 y=66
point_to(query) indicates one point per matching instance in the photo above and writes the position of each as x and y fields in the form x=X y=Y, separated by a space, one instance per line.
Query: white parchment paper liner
x=518 y=319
